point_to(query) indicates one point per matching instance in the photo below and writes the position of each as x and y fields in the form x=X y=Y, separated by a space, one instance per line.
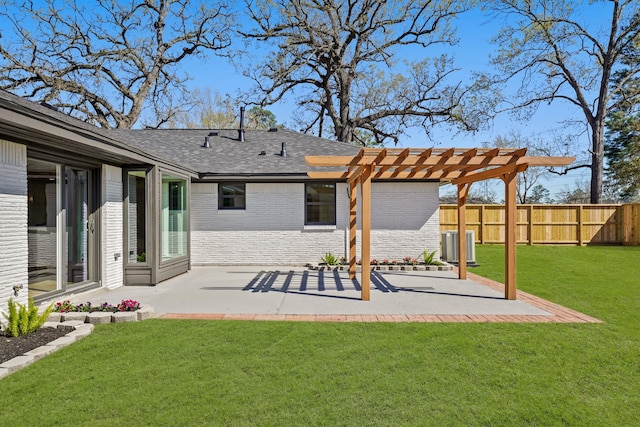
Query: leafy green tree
x=539 y=194
x=622 y=146
x=260 y=118
x=623 y=153
x=554 y=53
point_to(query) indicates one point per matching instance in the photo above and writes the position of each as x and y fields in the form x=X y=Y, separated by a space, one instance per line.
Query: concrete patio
x=251 y=292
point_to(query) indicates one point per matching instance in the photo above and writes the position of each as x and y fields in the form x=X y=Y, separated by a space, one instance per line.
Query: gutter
x=15 y=115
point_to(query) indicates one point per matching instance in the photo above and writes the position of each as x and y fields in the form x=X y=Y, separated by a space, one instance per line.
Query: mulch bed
x=11 y=347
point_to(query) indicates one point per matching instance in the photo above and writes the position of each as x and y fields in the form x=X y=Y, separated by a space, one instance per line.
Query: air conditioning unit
x=450 y=247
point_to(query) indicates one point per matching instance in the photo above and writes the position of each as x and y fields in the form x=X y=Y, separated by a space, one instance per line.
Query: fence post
x=481 y=238
x=620 y=224
x=530 y=224
x=579 y=225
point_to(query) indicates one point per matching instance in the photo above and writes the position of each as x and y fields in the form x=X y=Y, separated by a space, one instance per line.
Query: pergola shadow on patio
x=333 y=284
x=286 y=293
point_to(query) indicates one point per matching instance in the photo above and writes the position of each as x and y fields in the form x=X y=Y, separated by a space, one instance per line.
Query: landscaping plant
x=125 y=305
x=330 y=259
x=23 y=320
x=429 y=257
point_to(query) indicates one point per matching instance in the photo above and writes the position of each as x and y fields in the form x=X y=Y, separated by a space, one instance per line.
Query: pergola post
x=365 y=187
x=353 y=220
x=463 y=192
x=510 y=236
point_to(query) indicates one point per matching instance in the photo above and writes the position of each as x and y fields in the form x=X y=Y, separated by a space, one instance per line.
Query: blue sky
x=474 y=30
x=472 y=53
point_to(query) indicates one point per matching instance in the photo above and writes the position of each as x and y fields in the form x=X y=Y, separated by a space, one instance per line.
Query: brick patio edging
x=559 y=314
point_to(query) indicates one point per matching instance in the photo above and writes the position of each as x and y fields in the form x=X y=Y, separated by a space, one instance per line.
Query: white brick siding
x=271 y=230
x=112 y=223
x=13 y=223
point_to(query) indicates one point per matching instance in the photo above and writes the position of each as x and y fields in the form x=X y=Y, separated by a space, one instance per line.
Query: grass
x=187 y=372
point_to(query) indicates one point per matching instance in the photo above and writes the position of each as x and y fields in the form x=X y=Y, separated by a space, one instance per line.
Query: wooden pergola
x=461 y=167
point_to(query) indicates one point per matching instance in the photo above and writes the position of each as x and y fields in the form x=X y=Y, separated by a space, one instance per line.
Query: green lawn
x=187 y=372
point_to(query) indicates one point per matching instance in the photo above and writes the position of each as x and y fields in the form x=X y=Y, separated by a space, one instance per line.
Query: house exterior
x=83 y=207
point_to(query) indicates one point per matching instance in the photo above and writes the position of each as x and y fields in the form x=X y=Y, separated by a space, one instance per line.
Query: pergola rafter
x=458 y=166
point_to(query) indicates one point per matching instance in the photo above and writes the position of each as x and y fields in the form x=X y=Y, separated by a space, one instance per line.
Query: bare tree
x=107 y=62
x=212 y=110
x=339 y=59
x=529 y=179
x=558 y=54
x=476 y=196
x=578 y=194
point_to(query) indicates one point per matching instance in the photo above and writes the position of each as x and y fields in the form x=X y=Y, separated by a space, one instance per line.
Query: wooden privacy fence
x=551 y=224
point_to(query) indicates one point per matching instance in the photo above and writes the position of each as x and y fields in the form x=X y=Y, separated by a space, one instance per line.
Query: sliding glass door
x=78 y=225
x=61 y=226
x=43 y=226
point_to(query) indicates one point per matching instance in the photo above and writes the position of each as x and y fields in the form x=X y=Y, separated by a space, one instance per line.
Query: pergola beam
x=421 y=162
x=491 y=173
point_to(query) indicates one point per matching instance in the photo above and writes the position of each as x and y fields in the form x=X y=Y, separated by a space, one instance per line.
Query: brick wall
x=13 y=222
x=271 y=230
x=111 y=230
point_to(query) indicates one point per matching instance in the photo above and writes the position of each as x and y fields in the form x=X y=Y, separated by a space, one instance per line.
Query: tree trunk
x=597 y=160
x=345 y=131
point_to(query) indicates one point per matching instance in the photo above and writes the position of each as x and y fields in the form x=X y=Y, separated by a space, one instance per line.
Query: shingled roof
x=227 y=157
x=259 y=155
x=45 y=129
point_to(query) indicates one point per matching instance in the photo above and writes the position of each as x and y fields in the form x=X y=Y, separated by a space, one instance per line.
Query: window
x=320 y=204
x=231 y=196
x=174 y=224
x=136 y=219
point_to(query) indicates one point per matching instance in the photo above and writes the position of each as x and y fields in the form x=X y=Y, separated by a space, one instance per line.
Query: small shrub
x=329 y=259
x=429 y=257
x=23 y=319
